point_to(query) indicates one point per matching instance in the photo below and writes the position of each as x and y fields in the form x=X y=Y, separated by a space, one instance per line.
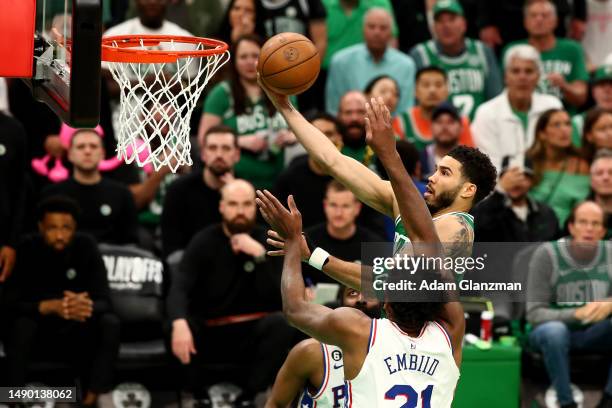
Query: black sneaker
x=606 y=401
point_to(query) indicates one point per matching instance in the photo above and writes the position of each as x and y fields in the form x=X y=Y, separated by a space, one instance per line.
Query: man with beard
x=191 y=202
x=462 y=178
x=351 y=114
x=223 y=299
x=304 y=375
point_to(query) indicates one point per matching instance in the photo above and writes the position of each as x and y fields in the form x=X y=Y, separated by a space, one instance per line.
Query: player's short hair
x=221 y=129
x=58 y=204
x=415 y=315
x=524 y=52
x=476 y=168
x=428 y=69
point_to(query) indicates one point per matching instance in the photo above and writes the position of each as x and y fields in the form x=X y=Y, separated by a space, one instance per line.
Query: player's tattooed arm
x=456 y=236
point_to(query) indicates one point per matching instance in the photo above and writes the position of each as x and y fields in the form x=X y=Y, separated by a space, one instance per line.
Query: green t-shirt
x=523 y=117
x=346 y=30
x=473 y=76
x=566 y=58
x=577 y=126
x=562 y=191
x=260 y=169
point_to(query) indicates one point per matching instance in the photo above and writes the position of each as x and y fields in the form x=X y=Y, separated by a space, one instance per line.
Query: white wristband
x=318 y=258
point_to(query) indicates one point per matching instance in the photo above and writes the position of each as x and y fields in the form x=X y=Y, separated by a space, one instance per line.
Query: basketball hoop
x=160 y=87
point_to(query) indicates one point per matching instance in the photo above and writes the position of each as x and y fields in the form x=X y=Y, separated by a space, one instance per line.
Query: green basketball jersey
x=467 y=73
x=400 y=239
x=575 y=285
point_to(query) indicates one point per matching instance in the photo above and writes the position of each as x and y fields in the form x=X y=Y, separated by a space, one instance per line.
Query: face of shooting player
x=220 y=152
x=354 y=298
x=57 y=229
x=237 y=206
x=445 y=185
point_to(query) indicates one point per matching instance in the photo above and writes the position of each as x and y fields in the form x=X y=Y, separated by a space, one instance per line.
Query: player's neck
x=454 y=207
x=342 y=233
x=87 y=177
x=520 y=104
x=544 y=42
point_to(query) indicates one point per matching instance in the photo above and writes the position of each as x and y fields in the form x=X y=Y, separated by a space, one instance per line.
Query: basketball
x=289 y=63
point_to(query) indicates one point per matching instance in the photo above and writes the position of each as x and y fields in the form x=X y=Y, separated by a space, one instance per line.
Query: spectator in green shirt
x=241 y=104
x=561 y=175
x=565 y=74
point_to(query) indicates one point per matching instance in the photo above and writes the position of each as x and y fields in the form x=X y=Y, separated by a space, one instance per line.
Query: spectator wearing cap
x=601 y=184
x=510 y=215
x=564 y=68
x=470 y=65
x=447 y=127
x=505 y=125
x=369 y=59
x=601 y=88
x=561 y=175
x=415 y=123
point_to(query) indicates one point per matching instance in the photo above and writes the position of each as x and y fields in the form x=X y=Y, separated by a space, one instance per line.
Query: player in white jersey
x=315 y=370
x=462 y=178
x=412 y=357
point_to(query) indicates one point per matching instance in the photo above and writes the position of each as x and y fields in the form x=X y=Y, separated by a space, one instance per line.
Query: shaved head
x=237 y=187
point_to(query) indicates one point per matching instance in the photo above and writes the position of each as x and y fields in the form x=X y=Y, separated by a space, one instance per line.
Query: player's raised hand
x=278 y=242
x=288 y=224
x=280 y=101
x=379 y=132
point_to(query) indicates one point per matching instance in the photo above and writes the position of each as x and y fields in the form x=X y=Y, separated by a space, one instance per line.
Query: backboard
x=65 y=54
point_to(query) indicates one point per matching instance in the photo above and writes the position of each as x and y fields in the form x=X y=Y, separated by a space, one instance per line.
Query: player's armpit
x=303 y=367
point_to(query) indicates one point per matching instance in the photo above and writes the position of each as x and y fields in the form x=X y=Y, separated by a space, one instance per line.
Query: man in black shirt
x=12 y=189
x=339 y=235
x=108 y=211
x=192 y=201
x=57 y=302
x=223 y=300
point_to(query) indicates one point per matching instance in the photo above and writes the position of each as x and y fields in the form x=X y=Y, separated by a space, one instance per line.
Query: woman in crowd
x=239 y=21
x=240 y=103
x=386 y=87
x=561 y=175
x=597 y=132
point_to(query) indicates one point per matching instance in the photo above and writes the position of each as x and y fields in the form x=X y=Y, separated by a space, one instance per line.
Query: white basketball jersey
x=332 y=392
x=404 y=371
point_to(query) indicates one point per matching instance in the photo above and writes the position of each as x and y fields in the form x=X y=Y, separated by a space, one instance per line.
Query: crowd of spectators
x=529 y=83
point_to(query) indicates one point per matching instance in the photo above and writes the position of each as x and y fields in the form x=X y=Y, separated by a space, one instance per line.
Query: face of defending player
x=220 y=153
x=522 y=78
x=86 y=151
x=450 y=29
x=431 y=90
x=57 y=230
x=447 y=185
x=588 y=225
x=246 y=56
x=237 y=207
x=540 y=19
x=445 y=130
x=152 y=12
x=601 y=177
x=355 y=299
x=351 y=113
x=341 y=209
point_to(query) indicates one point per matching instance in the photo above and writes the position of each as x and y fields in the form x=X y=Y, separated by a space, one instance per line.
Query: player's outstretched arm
x=344 y=327
x=303 y=365
x=363 y=182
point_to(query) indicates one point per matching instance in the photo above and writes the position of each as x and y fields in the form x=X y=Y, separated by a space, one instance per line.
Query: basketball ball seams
x=273 y=50
x=297 y=86
x=270 y=54
x=293 y=66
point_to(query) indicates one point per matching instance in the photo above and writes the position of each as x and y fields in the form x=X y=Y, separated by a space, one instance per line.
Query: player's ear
x=469 y=190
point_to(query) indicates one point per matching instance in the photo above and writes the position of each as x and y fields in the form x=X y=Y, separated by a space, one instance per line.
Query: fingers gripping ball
x=289 y=63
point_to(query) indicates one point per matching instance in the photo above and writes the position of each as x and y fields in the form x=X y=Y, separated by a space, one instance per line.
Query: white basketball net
x=156 y=103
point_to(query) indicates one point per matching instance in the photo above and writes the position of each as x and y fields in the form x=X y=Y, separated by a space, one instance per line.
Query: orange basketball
x=289 y=63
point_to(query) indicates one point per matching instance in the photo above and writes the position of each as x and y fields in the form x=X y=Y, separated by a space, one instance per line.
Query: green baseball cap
x=603 y=73
x=447 y=6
